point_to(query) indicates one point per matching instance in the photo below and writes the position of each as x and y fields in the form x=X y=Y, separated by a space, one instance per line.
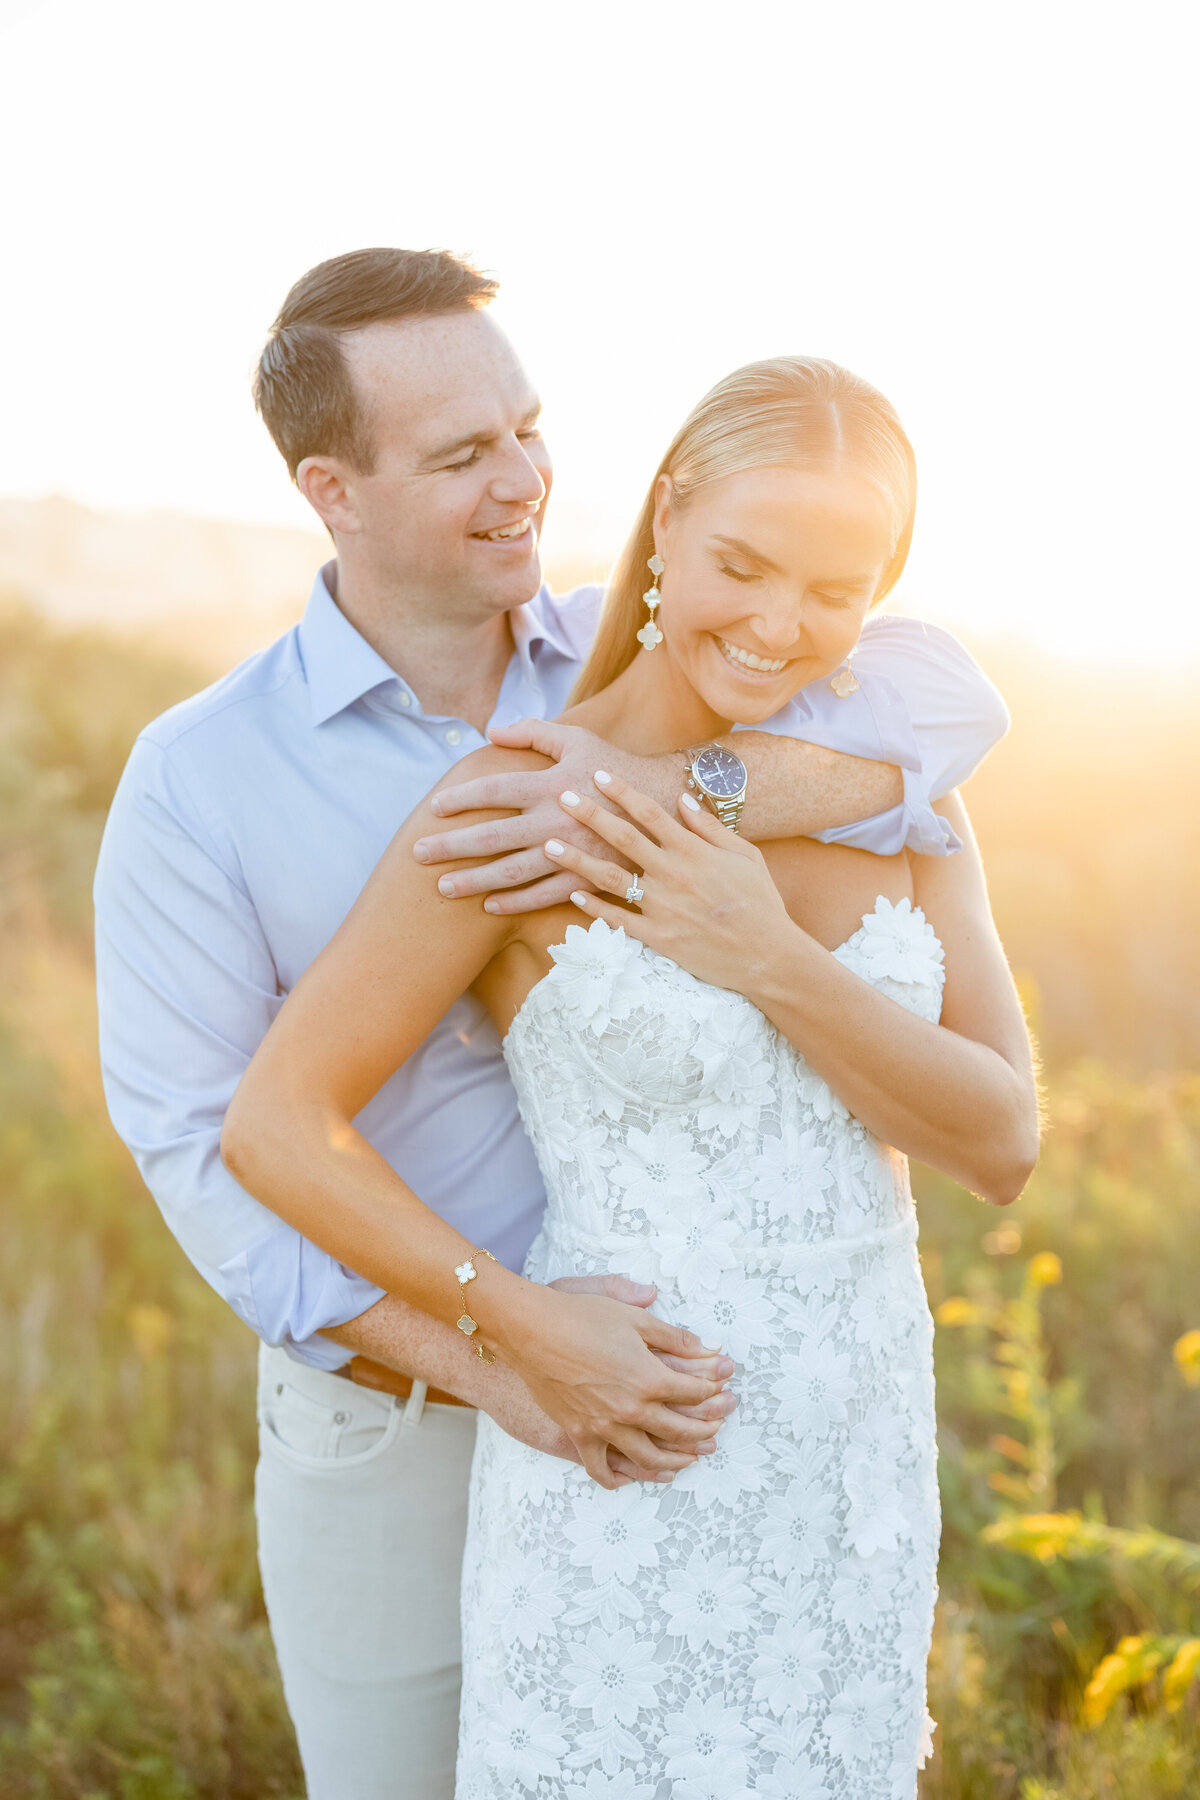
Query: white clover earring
x=650 y=635
x=845 y=682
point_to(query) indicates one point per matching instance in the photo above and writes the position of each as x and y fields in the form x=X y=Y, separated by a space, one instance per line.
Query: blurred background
x=983 y=210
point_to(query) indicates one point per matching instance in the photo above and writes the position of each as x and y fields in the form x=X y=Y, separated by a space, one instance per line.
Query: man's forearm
x=794 y=788
x=414 y=1343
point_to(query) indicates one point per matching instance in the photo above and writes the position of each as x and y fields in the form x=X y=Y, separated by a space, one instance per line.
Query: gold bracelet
x=466 y=1271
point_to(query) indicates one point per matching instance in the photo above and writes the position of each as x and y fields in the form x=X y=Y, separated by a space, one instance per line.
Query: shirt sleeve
x=924 y=704
x=187 y=989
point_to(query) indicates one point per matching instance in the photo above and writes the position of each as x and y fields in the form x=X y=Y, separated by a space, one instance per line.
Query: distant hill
x=213 y=588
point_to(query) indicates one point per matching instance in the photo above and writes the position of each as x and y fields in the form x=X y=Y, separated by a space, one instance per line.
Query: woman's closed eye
x=736 y=574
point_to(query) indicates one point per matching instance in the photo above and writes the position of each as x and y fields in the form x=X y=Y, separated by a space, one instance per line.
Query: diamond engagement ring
x=634 y=893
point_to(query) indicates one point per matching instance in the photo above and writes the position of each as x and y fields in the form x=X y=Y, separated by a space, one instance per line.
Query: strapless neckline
x=884 y=910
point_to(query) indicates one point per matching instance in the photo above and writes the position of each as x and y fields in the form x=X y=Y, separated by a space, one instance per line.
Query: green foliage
x=1049 y=1618
x=134 y=1656
x=135 y=1661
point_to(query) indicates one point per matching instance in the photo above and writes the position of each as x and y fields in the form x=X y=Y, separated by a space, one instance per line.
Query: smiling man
x=246 y=823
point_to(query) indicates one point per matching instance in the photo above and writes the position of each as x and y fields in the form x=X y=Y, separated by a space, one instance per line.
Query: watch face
x=719 y=772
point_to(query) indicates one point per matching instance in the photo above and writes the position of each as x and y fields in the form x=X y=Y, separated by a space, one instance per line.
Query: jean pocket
x=315 y=1432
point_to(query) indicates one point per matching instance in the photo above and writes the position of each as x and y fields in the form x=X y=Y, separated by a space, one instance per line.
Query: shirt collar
x=537 y=622
x=339 y=664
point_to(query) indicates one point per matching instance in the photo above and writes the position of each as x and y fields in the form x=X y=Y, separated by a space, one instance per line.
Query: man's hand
x=715 y=1365
x=526 y=878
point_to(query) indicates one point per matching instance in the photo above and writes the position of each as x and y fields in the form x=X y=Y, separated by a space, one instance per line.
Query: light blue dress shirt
x=246 y=822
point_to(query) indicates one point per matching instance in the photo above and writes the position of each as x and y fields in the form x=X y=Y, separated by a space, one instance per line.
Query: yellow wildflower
x=1127 y=1666
x=1187 y=1357
x=150 y=1328
x=1178 y=1677
x=1044 y=1269
x=957 y=1311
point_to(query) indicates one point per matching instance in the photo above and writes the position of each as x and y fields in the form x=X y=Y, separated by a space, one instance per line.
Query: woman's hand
x=590 y=1363
x=708 y=901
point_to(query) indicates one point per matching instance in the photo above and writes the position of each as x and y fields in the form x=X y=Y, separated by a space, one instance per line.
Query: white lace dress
x=762 y=1625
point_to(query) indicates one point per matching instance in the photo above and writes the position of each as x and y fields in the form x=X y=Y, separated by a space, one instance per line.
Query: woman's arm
x=399 y=961
x=960 y=1095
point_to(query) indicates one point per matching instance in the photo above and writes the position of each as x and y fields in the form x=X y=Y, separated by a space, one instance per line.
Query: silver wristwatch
x=719 y=777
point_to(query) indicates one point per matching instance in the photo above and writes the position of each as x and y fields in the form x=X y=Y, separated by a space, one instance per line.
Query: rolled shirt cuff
x=287 y=1291
x=913 y=825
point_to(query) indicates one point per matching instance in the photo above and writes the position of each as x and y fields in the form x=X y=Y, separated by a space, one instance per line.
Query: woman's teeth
x=504 y=532
x=746 y=659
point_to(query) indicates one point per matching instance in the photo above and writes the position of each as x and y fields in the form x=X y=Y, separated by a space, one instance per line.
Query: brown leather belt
x=365 y=1373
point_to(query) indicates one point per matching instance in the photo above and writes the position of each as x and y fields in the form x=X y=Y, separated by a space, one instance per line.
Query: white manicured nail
x=553 y=847
x=710 y=1346
x=569 y=799
x=446 y=886
x=690 y=800
x=579 y=900
x=602 y=778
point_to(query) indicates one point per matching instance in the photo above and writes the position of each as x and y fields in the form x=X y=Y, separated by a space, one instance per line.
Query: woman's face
x=768 y=577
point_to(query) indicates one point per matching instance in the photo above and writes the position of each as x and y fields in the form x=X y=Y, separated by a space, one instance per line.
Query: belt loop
x=414 y=1406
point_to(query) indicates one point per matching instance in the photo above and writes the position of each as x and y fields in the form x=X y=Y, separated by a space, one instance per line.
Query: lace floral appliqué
x=761 y=1626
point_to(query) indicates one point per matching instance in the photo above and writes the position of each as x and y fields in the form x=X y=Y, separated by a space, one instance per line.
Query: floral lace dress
x=760 y=1626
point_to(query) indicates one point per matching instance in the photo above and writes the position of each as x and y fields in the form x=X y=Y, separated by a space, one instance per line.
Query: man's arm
x=861 y=770
x=187 y=990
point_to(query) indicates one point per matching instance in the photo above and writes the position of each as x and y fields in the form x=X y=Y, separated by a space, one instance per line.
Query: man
x=246 y=823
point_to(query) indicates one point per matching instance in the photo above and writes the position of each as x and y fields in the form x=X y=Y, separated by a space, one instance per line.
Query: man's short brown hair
x=302 y=385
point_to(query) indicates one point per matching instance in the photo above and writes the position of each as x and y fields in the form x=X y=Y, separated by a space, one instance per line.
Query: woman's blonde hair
x=798 y=411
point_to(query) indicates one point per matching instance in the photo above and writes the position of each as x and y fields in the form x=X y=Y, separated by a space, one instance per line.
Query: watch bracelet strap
x=729 y=809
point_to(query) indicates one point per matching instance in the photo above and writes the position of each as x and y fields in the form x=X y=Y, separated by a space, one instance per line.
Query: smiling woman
x=826 y=514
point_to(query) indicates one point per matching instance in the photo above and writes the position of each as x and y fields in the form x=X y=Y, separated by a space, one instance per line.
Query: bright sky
x=985 y=209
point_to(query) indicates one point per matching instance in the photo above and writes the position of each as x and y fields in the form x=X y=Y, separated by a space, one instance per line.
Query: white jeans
x=362 y=1506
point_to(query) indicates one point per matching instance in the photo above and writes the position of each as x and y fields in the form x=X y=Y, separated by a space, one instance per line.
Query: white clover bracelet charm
x=464 y=1272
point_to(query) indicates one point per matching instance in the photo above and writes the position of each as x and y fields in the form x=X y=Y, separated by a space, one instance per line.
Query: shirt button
x=340 y=1418
x=454 y=735
x=405 y=697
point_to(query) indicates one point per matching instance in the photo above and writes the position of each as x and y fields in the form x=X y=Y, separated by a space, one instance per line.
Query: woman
x=712 y=1084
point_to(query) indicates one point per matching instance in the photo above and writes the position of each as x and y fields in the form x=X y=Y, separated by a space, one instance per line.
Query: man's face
x=452 y=511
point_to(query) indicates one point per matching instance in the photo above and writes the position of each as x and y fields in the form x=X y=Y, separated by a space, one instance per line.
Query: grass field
x=134 y=1658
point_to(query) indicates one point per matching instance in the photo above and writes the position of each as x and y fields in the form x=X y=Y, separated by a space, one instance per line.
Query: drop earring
x=845 y=683
x=650 y=635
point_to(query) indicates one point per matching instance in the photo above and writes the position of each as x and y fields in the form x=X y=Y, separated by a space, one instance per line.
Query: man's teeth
x=770 y=665
x=505 y=531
